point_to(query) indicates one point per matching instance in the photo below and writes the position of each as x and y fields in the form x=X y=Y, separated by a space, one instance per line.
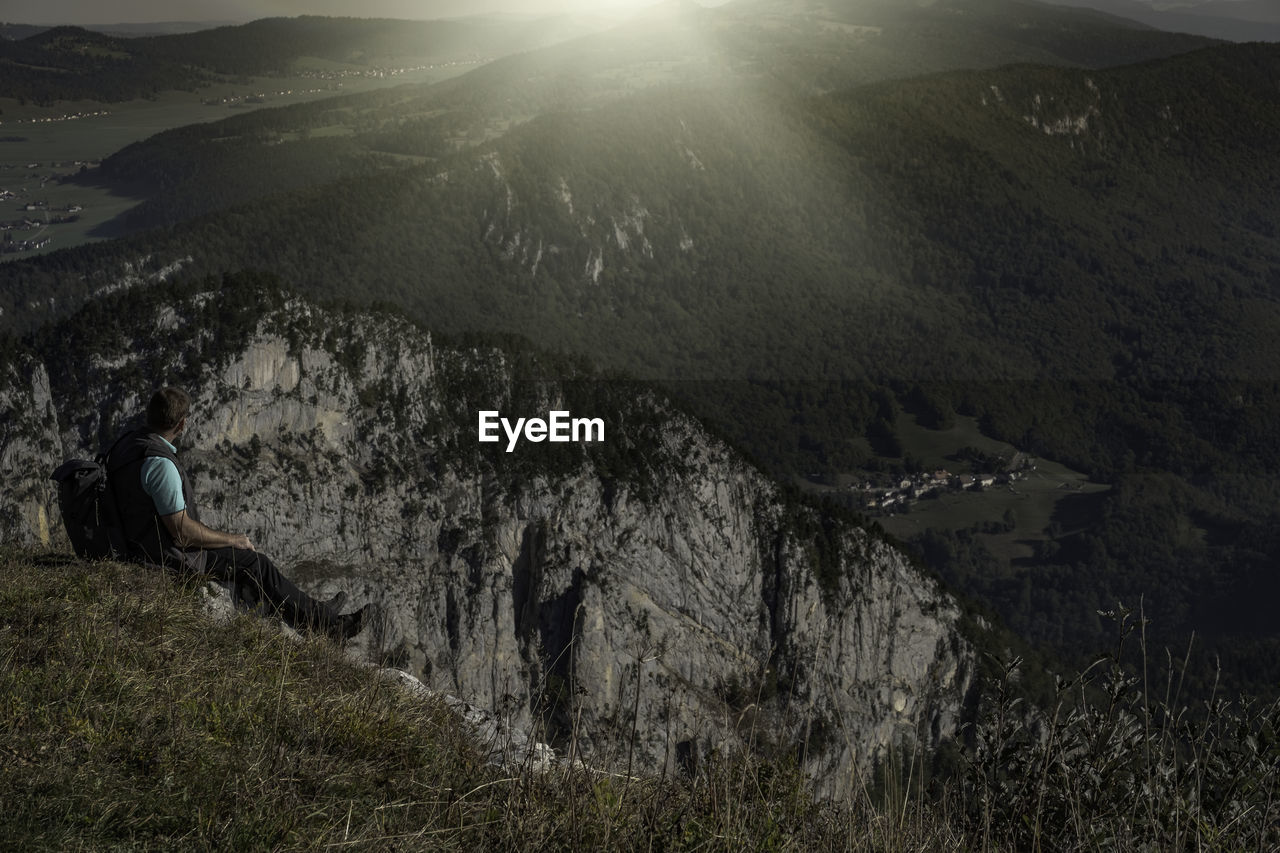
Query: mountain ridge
x=1235 y=20
x=69 y=63
x=994 y=32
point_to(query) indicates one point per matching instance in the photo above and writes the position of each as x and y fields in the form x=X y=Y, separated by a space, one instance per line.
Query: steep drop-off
x=649 y=598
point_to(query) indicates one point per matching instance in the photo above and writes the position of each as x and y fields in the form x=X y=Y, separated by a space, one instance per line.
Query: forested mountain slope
x=784 y=49
x=1019 y=220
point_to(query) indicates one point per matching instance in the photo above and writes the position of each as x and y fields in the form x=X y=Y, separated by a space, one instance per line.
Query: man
x=160 y=522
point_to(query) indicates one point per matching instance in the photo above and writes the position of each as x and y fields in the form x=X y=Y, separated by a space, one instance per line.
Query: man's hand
x=241 y=540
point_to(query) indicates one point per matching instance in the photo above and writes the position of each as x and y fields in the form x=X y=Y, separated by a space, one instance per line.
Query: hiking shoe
x=335 y=604
x=350 y=624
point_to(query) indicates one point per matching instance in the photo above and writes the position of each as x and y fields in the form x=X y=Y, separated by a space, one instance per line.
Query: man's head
x=167 y=409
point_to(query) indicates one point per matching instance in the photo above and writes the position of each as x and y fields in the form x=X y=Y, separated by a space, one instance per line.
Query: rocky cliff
x=29 y=441
x=648 y=598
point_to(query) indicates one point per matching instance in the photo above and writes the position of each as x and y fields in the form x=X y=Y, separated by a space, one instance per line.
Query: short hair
x=168 y=406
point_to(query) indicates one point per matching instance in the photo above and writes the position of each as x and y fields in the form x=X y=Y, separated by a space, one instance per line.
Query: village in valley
x=334 y=78
x=957 y=478
x=30 y=231
x=898 y=493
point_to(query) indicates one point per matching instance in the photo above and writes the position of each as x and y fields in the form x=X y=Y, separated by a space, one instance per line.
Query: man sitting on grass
x=158 y=514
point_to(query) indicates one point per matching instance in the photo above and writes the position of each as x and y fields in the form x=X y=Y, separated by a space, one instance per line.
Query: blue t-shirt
x=160 y=480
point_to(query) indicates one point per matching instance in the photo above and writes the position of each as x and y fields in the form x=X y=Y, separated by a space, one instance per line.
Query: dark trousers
x=256 y=580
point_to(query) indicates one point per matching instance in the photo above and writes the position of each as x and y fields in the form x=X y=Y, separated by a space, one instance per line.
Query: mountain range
x=807 y=221
x=73 y=63
x=1234 y=20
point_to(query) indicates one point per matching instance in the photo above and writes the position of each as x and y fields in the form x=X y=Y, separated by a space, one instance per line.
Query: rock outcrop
x=647 y=599
x=29 y=442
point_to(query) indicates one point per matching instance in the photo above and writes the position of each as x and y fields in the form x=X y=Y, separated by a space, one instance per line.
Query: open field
x=99 y=205
x=936 y=448
x=1033 y=502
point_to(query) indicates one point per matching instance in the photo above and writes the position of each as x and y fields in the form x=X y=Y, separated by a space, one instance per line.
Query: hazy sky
x=134 y=11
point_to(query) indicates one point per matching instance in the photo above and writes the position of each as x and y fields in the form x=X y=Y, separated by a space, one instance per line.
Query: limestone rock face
x=29 y=451
x=641 y=601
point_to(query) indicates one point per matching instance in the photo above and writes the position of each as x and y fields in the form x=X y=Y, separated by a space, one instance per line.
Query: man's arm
x=189 y=533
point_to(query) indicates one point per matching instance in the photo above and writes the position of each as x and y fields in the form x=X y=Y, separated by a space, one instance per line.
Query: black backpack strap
x=102 y=458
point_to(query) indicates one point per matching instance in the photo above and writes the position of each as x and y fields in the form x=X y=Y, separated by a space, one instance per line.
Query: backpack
x=88 y=508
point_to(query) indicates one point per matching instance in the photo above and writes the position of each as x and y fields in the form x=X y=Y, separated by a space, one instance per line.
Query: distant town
x=334 y=78
x=340 y=73
x=261 y=97
x=898 y=494
x=64 y=117
x=38 y=214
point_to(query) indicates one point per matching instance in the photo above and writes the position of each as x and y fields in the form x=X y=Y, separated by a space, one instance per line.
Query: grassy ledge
x=130 y=720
